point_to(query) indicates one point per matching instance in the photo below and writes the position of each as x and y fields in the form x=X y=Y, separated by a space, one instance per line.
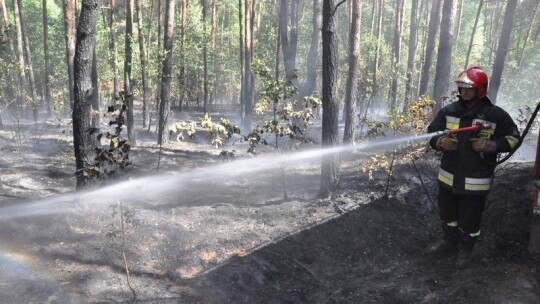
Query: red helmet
x=473 y=77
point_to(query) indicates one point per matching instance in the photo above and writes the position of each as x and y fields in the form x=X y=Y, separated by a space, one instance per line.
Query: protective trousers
x=463 y=211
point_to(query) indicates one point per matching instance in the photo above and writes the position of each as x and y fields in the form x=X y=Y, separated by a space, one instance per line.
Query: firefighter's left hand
x=480 y=144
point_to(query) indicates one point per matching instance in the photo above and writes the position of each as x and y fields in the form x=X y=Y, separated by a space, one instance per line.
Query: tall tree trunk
x=375 y=83
x=29 y=65
x=413 y=42
x=128 y=61
x=204 y=5
x=329 y=163
x=475 y=26
x=312 y=61
x=288 y=25
x=242 y=70
x=69 y=27
x=430 y=45
x=352 y=75
x=47 y=67
x=83 y=60
x=112 y=48
x=94 y=101
x=183 y=33
x=160 y=38
x=142 y=57
x=20 y=55
x=396 y=47
x=502 y=50
x=444 y=54
x=460 y=16
x=248 y=74
x=166 y=74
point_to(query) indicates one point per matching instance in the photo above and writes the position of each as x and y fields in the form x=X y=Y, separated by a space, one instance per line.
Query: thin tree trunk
x=112 y=48
x=528 y=34
x=47 y=67
x=142 y=56
x=312 y=61
x=166 y=74
x=83 y=61
x=396 y=46
x=413 y=41
x=242 y=70
x=20 y=55
x=128 y=61
x=29 y=65
x=94 y=101
x=430 y=45
x=205 y=56
x=444 y=54
x=375 y=83
x=502 y=50
x=289 y=34
x=69 y=26
x=460 y=16
x=183 y=33
x=472 y=34
x=248 y=75
x=160 y=61
x=329 y=163
x=352 y=75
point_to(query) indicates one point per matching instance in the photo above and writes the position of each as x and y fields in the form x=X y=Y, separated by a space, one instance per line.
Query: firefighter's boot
x=449 y=243
x=465 y=248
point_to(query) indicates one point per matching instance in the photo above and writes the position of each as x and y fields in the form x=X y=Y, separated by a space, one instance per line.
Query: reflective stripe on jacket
x=465 y=170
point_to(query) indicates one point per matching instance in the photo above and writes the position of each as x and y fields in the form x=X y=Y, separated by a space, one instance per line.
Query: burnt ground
x=217 y=237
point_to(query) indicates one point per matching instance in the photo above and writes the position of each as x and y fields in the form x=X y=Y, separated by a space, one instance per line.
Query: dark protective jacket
x=464 y=170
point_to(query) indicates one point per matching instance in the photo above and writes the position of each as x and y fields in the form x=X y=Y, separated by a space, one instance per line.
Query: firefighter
x=468 y=161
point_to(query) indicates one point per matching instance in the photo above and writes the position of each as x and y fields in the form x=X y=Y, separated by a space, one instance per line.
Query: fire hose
x=485 y=125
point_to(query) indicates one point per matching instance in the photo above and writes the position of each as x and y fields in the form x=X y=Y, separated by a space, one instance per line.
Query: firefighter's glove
x=483 y=145
x=445 y=143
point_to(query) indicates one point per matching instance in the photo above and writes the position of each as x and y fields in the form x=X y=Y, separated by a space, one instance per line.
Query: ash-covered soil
x=190 y=234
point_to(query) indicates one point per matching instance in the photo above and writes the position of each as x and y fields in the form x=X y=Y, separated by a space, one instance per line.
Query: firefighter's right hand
x=445 y=143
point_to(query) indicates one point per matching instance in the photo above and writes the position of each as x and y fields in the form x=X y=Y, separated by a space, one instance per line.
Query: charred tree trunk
x=329 y=163
x=166 y=74
x=352 y=75
x=112 y=48
x=83 y=61
x=444 y=54
x=502 y=50
x=69 y=27
x=430 y=45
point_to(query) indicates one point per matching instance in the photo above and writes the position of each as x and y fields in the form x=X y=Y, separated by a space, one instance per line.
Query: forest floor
x=204 y=229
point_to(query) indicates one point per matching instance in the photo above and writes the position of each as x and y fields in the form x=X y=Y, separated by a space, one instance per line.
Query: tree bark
x=352 y=75
x=166 y=74
x=375 y=83
x=248 y=74
x=312 y=61
x=242 y=70
x=128 y=61
x=69 y=27
x=142 y=58
x=20 y=56
x=329 y=163
x=413 y=42
x=29 y=65
x=444 y=54
x=502 y=50
x=204 y=5
x=396 y=47
x=112 y=48
x=183 y=33
x=430 y=45
x=47 y=68
x=288 y=25
x=83 y=60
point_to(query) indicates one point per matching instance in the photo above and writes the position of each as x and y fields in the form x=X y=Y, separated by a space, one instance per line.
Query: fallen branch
x=126 y=266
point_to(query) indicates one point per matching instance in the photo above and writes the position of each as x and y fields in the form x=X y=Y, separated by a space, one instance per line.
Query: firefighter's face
x=467 y=94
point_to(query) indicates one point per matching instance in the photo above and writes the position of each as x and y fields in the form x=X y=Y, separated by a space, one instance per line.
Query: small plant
x=109 y=161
